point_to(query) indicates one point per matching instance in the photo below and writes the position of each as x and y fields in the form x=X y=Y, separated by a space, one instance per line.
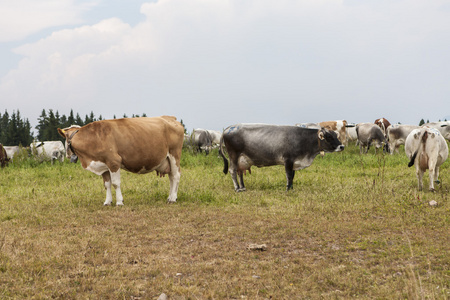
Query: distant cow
x=201 y=140
x=48 y=150
x=369 y=134
x=215 y=137
x=427 y=149
x=383 y=124
x=265 y=145
x=138 y=145
x=351 y=133
x=443 y=127
x=3 y=157
x=308 y=125
x=397 y=134
x=339 y=126
x=12 y=151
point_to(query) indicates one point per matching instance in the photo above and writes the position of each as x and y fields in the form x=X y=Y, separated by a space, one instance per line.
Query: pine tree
x=70 y=119
x=42 y=124
x=78 y=120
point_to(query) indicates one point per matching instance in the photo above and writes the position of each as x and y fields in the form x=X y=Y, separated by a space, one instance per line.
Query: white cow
x=215 y=137
x=11 y=151
x=308 y=125
x=397 y=134
x=443 y=127
x=352 y=136
x=427 y=149
x=48 y=150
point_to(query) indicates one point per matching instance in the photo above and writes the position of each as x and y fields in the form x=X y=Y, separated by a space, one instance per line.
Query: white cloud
x=20 y=18
x=269 y=61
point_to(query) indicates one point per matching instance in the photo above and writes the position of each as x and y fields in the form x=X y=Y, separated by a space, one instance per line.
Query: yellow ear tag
x=63 y=131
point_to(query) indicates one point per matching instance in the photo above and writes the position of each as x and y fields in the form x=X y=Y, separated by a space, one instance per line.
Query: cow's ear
x=321 y=135
x=62 y=132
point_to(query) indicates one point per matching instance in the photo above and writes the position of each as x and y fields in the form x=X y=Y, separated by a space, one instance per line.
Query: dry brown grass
x=354 y=226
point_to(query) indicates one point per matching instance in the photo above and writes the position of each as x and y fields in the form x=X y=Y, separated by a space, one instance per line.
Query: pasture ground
x=355 y=226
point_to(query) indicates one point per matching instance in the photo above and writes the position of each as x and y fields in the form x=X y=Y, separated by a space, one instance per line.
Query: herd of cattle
x=143 y=145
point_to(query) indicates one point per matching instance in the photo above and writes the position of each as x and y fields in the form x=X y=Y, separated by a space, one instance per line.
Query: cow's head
x=68 y=134
x=328 y=141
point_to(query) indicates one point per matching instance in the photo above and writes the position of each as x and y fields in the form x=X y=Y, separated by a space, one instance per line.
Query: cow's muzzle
x=73 y=158
x=340 y=148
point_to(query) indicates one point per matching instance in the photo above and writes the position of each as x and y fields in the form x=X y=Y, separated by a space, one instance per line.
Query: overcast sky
x=213 y=63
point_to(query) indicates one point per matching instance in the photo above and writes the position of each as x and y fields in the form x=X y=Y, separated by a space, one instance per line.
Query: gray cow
x=265 y=145
x=201 y=140
x=397 y=135
x=370 y=134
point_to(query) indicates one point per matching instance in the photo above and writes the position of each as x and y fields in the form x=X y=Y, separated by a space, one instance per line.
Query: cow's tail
x=422 y=144
x=225 y=160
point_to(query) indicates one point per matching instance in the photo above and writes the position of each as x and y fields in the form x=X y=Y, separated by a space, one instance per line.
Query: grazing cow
x=11 y=151
x=397 y=134
x=48 y=150
x=265 y=145
x=201 y=140
x=3 y=157
x=138 y=145
x=443 y=127
x=383 y=124
x=427 y=149
x=339 y=126
x=369 y=134
x=215 y=137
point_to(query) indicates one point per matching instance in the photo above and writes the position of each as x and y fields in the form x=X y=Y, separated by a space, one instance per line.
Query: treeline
x=14 y=130
x=17 y=131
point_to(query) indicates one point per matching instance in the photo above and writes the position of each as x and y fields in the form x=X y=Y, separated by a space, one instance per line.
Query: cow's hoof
x=170 y=201
x=432 y=190
x=107 y=204
x=240 y=190
x=119 y=204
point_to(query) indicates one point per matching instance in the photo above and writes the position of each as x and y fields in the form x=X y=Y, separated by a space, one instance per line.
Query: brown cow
x=3 y=157
x=138 y=145
x=383 y=124
x=339 y=126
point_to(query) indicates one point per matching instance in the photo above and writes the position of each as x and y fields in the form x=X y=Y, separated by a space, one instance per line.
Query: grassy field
x=355 y=226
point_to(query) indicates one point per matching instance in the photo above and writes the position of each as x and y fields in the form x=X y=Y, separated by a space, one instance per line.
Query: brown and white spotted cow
x=137 y=145
x=338 y=126
x=383 y=124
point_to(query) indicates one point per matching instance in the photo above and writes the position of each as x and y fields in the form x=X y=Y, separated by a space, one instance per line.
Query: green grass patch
x=353 y=226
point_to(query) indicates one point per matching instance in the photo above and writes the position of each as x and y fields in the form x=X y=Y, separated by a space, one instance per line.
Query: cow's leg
x=115 y=179
x=289 y=168
x=234 y=173
x=241 y=181
x=419 y=173
x=432 y=175
x=436 y=175
x=107 y=183
x=234 y=178
x=174 y=177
